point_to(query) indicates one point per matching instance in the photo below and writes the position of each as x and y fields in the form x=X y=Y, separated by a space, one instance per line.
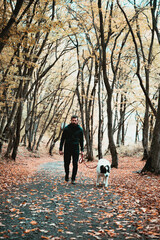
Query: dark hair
x=74 y=116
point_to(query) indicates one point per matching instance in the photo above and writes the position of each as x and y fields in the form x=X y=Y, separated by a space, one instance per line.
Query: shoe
x=66 y=179
x=73 y=182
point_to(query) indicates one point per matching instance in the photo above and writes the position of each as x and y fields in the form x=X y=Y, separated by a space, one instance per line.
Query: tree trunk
x=17 y=137
x=112 y=146
x=86 y=95
x=146 y=120
x=145 y=134
x=137 y=129
x=151 y=126
x=153 y=161
x=121 y=125
x=101 y=117
x=11 y=140
x=2 y=124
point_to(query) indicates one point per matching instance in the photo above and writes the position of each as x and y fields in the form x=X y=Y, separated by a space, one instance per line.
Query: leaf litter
x=132 y=200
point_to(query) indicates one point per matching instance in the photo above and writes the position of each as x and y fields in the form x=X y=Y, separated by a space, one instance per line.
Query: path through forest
x=46 y=207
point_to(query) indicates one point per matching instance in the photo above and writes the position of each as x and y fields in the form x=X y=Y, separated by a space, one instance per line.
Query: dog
x=103 y=170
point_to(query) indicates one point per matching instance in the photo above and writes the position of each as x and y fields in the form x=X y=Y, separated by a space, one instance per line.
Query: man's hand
x=81 y=158
x=61 y=152
x=82 y=153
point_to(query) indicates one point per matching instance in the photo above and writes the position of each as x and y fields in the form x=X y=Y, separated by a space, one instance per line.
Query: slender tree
x=153 y=160
x=109 y=89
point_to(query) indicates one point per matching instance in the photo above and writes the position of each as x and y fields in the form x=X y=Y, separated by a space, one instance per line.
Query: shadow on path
x=49 y=208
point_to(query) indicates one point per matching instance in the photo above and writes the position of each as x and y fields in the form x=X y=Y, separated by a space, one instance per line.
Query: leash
x=81 y=160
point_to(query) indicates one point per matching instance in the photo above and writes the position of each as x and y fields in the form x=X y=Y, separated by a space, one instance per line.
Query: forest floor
x=36 y=203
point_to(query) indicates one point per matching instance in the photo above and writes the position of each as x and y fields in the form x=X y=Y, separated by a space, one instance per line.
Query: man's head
x=74 y=120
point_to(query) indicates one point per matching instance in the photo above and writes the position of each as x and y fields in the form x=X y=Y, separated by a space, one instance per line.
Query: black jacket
x=72 y=137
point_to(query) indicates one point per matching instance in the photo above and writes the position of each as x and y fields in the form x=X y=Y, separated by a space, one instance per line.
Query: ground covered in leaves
x=36 y=203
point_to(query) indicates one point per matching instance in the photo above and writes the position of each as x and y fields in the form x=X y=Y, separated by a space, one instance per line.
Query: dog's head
x=105 y=170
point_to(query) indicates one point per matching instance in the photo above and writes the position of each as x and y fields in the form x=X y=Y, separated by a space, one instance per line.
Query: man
x=72 y=139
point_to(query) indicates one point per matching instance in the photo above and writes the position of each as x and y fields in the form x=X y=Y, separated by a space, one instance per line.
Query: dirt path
x=49 y=208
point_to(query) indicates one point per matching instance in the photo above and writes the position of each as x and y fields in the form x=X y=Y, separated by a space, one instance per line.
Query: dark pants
x=68 y=154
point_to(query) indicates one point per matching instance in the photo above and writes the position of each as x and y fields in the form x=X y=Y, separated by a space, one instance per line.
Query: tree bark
x=86 y=95
x=18 y=127
x=153 y=161
x=112 y=146
x=145 y=133
x=100 y=122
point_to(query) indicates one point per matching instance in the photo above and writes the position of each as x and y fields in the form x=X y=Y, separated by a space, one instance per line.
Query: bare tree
x=115 y=61
x=86 y=101
x=153 y=160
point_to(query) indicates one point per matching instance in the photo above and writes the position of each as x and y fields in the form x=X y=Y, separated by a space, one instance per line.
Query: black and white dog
x=103 y=170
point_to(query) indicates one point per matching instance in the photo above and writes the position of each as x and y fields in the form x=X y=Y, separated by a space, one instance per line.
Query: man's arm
x=62 y=143
x=81 y=142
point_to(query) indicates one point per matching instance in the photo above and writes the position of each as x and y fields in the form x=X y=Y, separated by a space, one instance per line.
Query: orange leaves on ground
x=30 y=230
x=137 y=191
x=21 y=218
x=33 y=223
x=60 y=213
x=13 y=210
x=83 y=201
x=140 y=193
x=111 y=232
x=17 y=172
x=11 y=174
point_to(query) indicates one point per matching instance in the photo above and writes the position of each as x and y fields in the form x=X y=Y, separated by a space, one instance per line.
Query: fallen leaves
x=13 y=210
x=134 y=195
x=111 y=233
x=140 y=194
x=33 y=222
x=14 y=173
x=30 y=230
